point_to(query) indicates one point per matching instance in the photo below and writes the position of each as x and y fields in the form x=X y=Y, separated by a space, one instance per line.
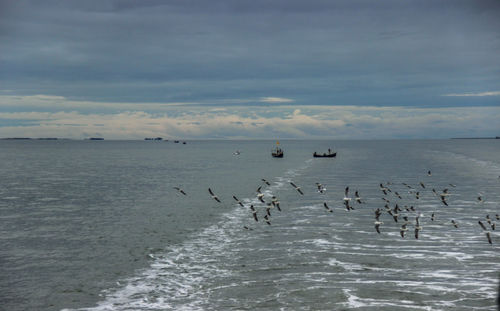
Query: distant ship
x=96 y=138
x=330 y=154
x=277 y=152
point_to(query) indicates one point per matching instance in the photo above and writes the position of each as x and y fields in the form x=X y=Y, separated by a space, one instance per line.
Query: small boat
x=330 y=154
x=277 y=152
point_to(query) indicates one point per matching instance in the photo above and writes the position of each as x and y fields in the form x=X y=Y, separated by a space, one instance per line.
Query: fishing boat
x=277 y=152
x=330 y=154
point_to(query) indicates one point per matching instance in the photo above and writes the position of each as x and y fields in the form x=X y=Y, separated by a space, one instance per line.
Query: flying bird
x=377 y=226
x=213 y=195
x=180 y=190
x=254 y=212
x=357 y=198
x=276 y=203
x=454 y=223
x=403 y=230
x=237 y=200
x=327 y=208
x=321 y=188
x=422 y=184
x=346 y=195
x=260 y=195
x=418 y=228
x=296 y=188
x=266 y=182
x=482 y=225
x=488 y=236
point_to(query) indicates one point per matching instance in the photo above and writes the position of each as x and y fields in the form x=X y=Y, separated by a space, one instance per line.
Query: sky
x=259 y=69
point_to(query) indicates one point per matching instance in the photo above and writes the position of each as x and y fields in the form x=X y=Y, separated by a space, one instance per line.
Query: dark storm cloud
x=317 y=52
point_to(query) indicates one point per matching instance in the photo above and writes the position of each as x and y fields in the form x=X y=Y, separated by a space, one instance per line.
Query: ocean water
x=97 y=225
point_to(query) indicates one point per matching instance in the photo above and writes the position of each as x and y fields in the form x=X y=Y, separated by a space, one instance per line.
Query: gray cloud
x=235 y=53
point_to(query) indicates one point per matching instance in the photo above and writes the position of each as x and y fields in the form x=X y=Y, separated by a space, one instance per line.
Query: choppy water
x=96 y=225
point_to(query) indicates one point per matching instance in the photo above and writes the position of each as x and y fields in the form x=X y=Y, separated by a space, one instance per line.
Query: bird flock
x=401 y=209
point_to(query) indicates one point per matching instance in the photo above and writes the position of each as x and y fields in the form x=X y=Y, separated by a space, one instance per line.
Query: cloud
x=494 y=93
x=275 y=100
x=280 y=122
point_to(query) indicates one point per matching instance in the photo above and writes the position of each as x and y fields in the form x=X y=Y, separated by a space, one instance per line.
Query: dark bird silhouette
x=383 y=189
x=422 y=184
x=260 y=195
x=254 y=212
x=403 y=230
x=482 y=225
x=267 y=220
x=239 y=202
x=488 y=236
x=297 y=188
x=327 y=208
x=321 y=188
x=418 y=228
x=357 y=197
x=266 y=182
x=213 y=195
x=276 y=203
x=454 y=223
x=180 y=190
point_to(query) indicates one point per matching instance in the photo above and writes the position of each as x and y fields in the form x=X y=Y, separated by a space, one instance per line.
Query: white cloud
x=275 y=100
x=494 y=93
x=330 y=122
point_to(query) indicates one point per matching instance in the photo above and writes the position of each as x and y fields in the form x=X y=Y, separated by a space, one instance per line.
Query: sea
x=98 y=225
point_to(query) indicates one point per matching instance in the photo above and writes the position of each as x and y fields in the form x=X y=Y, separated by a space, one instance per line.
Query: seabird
x=321 y=188
x=429 y=173
x=443 y=200
x=346 y=195
x=417 y=195
x=266 y=182
x=327 y=208
x=260 y=195
x=432 y=217
x=417 y=227
x=403 y=230
x=180 y=190
x=455 y=224
x=254 y=212
x=247 y=228
x=497 y=216
x=358 y=199
x=213 y=195
x=268 y=209
x=377 y=226
x=397 y=194
x=482 y=225
x=452 y=185
x=267 y=220
x=422 y=184
x=276 y=203
x=347 y=206
x=378 y=212
x=296 y=188
x=239 y=202
x=488 y=236
x=383 y=189
x=480 y=199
